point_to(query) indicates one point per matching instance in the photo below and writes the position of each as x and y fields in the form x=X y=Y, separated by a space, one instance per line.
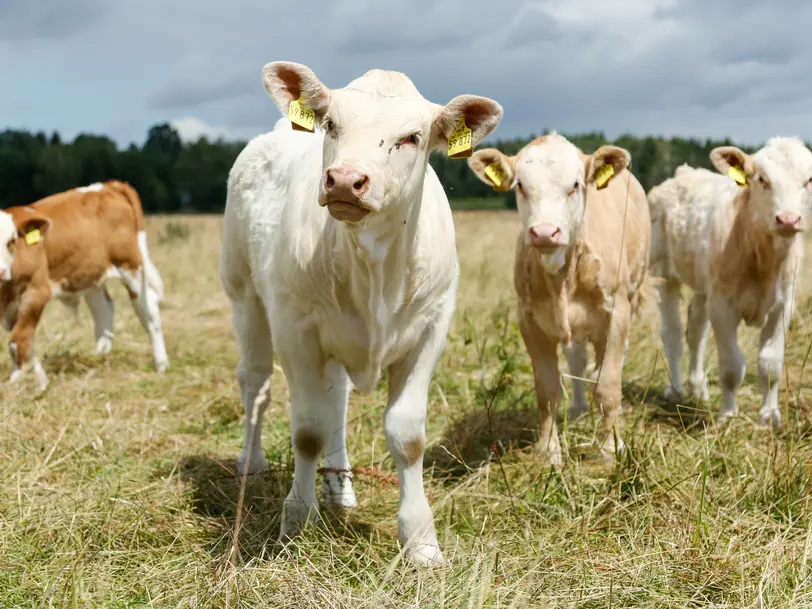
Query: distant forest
x=176 y=177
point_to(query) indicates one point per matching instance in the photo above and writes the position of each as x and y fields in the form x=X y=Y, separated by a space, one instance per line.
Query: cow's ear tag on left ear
x=604 y=174
x=300 y=116
x=33 y=237
x=459 y=144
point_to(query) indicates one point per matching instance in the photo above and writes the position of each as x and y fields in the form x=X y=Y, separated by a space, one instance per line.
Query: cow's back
x=91 y=231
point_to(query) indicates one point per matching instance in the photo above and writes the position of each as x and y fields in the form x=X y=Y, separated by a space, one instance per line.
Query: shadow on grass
x=471 y=440
x=214 y=488
x=689 y=414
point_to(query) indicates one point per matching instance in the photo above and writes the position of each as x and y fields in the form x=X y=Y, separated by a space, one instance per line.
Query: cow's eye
x=11 y=245
x=329 y=125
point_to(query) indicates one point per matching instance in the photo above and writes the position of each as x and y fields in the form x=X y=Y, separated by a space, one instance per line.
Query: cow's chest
x=754 y=300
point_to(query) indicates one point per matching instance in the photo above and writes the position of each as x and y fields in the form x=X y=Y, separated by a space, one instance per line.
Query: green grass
x=118 y=486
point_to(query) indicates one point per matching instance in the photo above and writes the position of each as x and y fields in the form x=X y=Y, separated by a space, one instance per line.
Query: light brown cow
x=580 y=270
x=66 y=246
x=737 y=246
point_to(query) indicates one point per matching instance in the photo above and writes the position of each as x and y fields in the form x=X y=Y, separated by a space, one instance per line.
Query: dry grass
x=117 y=487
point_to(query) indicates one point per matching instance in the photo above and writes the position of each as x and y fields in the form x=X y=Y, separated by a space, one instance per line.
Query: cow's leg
x=696 y=336
x=101 y=308
x=253 y=370
x=145 y=301
x=21 y=345
x=547 y=381
x=337 y=480
x=576 y=359
x=671 y=334
x=609 y=390
x=725 y=323
x=317 y=413
x=771 y=360
x=405 y=429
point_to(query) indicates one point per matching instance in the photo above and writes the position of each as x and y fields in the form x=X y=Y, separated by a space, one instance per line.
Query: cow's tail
x=152 y=277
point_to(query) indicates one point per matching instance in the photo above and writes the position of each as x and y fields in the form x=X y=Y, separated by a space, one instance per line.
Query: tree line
x=173 y=176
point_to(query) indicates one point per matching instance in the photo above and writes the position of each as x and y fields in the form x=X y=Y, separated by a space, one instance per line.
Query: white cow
x=738 y=248
x=8 y=244
x=340 y=244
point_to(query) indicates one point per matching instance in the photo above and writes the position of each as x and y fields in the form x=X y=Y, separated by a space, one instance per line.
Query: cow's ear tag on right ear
x=496 y=175
x=300 y=116
x=737 y=173
x=459 y=144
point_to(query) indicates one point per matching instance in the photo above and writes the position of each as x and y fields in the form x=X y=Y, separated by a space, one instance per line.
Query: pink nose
x=545 y=235
x=787 y=221
x=343 y=183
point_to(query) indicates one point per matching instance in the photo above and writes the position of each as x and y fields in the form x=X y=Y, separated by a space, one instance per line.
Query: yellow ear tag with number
x=737 y=173
x=459 y=144
x=604 y=173
x=300 y=116
x=33 y=237
x=495 y=174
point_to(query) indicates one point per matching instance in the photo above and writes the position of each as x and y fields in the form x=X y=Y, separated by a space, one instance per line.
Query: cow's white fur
x=698 y=217
x=95 y=187
x=343 y=301
x=8 y=240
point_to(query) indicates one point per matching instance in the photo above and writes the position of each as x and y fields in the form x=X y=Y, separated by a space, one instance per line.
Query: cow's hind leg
x=145 y=302
x=253 y=371
x=101 y=308
x=337 y=479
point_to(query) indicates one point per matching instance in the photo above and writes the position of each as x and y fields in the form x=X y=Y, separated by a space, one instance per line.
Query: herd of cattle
x=369 y=283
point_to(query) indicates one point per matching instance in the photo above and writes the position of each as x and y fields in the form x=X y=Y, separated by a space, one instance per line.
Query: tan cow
x=737 y=246
x=66 y=246
x=580 y=270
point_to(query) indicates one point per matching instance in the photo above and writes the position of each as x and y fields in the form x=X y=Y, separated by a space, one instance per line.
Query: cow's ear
x=288 y=82
x=733 y=162
x=604 y=164
x=33 y=228
x=493 y=167
x=480 y=115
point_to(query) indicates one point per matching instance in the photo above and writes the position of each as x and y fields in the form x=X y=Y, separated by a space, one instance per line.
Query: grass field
x=118 y=486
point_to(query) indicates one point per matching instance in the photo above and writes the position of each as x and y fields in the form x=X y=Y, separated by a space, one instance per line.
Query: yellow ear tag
x=33 y=237
x=300 y=116
x=737 y=173
x=459 y=144
x=495 y=174
x=604 y=173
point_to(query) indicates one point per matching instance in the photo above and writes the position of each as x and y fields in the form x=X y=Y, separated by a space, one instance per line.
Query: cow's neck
x=381 y=258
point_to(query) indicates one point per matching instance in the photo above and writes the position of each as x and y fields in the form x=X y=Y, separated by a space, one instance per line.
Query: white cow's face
x=378 y=132
x=550 y=178
x=779 y=177
x=8 y=244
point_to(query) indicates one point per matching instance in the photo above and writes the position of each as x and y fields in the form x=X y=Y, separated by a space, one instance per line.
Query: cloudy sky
x=666 y=67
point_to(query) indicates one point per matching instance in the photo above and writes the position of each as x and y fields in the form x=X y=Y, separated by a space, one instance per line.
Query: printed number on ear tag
x=459 y=144
x=737 y=173
x=33 y=237
x=300 y=116
x=604 y=173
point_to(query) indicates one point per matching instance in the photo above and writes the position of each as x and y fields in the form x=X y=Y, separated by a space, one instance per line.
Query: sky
x=720 y=68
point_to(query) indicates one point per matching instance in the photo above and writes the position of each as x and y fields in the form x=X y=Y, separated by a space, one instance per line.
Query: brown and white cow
x=67 y=246
x=580 y=269
x=738 y=247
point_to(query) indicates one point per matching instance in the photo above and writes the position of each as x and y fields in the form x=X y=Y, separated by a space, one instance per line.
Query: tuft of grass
x=118 y=487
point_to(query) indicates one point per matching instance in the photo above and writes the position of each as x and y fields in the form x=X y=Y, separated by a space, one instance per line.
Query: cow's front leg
x=725 y=322
x=771 y=360
x=405 y=429
x=21 y=345
x=316 y=415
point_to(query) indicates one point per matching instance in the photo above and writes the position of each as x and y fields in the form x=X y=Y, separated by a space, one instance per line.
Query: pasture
x=118 y=486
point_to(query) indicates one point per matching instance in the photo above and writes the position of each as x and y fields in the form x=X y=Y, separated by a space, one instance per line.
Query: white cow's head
x=378 y=132
x=10 y=234
x=779 y=179
x=550 y=177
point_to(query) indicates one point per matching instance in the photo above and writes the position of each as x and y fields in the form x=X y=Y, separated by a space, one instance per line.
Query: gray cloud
x=690 y=67
x=22 y=20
